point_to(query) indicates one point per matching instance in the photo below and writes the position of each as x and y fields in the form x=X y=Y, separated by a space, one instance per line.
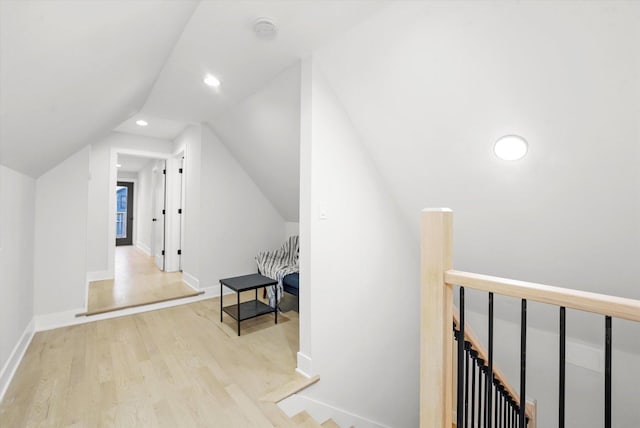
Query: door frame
x=113 y=178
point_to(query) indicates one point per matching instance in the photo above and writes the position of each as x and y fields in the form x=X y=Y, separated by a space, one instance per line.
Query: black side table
x=253 y=308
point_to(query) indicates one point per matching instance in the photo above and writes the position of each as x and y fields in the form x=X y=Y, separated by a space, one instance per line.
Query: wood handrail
x=618 y=307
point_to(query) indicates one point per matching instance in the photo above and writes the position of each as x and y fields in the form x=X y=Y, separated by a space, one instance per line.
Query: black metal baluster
x=607 y=373
x=489 y=383
x=496 y=402
x=474 y=357
x=503 y=410
x=467 y=350
x=523 y=362
x=482 y=370
x=499 y=407
x=563 y=352
x=511 y=407
x=461 y=341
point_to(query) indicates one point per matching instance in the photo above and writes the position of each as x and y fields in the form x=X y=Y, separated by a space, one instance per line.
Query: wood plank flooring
x=137 y=282
x=175 y=367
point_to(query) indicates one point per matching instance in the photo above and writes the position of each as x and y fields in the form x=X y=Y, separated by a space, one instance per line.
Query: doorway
x=124 y=213
x=148 y=234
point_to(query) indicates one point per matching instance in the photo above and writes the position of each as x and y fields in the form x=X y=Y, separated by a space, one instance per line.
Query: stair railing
x=473 y=393
x=437 y=343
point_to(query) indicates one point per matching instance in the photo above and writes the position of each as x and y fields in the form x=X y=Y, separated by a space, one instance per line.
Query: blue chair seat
x=291 y=283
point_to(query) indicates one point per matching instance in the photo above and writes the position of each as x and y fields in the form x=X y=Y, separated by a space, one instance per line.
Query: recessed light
x=211 y=80
x=118 y=165
x=141 y=122
x=511 y=147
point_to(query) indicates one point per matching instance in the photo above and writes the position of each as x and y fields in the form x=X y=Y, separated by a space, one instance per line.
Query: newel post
x=436 y=320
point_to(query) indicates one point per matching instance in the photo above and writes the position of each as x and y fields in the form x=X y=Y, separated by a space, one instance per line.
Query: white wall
x=143 y=221
x=291 y=229
x=61 y=236
x=101 y=218
x=362 y=272
x=263 y=133
x=430 y=86
x=126 y=175
x=237 y=220
x=17 y=210
x=189 y=142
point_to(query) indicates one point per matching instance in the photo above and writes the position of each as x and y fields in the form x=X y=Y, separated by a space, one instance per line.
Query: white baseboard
x=99 y=275
x=321 y=412
x=304 y=365
x=13 y=362
x=144 y=248
x=191 y=280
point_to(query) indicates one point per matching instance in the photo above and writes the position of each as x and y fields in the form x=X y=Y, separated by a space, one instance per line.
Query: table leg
x=220 y=302
x=256 y=294
x=276 y=305
x=238 y=294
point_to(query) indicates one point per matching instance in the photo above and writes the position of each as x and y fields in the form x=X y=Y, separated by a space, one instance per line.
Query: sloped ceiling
x=430 y=86
x=70 y=71
x=220 y=40
x=255 y=111
x=263 y=134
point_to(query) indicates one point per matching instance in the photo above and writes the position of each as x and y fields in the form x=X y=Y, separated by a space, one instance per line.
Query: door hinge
x=180 y=171
x=163 y=212
x=163 y=252
x=179 y=252
x=179 y=210
x=164 y=171
x=154 y=219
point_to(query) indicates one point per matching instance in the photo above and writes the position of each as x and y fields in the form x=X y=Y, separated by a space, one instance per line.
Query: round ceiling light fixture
x=211 y=80
x=141 y=122
x=511 y=147
x=265 y=28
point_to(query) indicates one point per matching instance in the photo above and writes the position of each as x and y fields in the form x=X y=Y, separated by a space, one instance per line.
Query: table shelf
x=251 y=309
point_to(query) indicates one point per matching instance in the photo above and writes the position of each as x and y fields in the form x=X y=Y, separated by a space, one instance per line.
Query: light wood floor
x=175 y=367
x=137 y=281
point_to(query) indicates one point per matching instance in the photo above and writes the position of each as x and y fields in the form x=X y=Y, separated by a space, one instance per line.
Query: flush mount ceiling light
x=118 y=165
x=141 y=122
x=211 y=80
x=511 y=147
x=265 y=28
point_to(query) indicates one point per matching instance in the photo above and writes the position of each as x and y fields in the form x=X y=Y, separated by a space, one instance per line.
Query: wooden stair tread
x=304 y=420
x=330 y=423
x=297 y=384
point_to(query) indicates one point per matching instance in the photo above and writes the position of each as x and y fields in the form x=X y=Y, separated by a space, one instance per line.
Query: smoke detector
x=265 y=28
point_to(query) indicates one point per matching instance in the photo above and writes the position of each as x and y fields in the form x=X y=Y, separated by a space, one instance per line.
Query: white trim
x=304 y=365
x=10 y=367
x=437 y=210
x=68 y=318
x=191 y=281
x=321 y=412
x=144 y=248
x=99 y=275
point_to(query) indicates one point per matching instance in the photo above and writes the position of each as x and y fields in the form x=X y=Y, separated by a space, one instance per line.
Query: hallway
x=137 y=282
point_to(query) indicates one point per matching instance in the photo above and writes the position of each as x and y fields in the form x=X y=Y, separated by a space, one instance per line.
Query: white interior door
x=159 y=202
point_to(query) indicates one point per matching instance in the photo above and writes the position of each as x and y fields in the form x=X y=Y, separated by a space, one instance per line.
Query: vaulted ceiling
x=71 y=71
